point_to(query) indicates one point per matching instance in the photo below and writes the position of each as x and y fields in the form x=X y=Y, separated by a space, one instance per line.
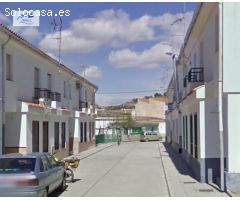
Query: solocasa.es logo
x=26 y=18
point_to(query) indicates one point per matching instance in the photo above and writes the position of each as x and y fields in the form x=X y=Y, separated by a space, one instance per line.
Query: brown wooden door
x=35 y=136
x=45 y=136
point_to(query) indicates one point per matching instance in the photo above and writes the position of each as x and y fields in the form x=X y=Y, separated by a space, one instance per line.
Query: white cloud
x=92 y=72
x=171 y=41
x=108 y=27
x=28 y=33
x=149 y=58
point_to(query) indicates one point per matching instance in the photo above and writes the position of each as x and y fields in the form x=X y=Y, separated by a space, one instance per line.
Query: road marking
x=164 y=172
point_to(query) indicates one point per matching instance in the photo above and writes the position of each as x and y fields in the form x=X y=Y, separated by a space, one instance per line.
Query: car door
x=56 y=170
x=51 y=175
x=48 y=175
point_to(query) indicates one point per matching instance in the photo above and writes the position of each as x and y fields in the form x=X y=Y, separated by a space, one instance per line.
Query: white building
x=48 y=107
x=104 y=125
x=196 y=102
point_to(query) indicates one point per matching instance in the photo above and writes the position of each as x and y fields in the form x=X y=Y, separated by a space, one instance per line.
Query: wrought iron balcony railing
x=56 y=96
x=195 y=75
x=83 y=104
x=42 y=93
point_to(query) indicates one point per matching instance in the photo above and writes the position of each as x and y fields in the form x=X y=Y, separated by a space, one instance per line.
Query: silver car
x=35 y=174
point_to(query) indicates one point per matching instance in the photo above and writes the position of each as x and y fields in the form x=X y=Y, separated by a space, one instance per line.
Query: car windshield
x=17 y=165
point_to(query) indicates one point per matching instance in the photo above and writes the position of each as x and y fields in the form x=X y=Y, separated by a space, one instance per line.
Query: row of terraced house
x=45 y=106
x=203 y=97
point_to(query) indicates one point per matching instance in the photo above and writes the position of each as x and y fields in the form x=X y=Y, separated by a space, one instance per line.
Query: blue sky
x=122 y=45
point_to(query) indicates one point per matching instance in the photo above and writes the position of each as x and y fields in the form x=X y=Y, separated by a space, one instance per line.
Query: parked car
x=35 y=174
x=149 y=136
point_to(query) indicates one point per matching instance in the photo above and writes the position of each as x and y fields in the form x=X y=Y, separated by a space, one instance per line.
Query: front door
x=45 y=136
x=35 y=136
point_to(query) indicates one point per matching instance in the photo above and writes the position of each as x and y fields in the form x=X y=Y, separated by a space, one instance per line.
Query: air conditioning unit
x=78 y=84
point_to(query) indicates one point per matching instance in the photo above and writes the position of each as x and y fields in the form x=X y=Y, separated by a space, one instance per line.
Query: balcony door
x=35 y=136
x=36 y=78
x=45 y=136
x=49 y=81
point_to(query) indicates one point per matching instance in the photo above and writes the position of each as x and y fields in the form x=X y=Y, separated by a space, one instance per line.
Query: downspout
x=3 y=92
x=220 y=97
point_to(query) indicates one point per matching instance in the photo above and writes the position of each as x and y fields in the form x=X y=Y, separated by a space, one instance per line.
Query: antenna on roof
x=57 y=27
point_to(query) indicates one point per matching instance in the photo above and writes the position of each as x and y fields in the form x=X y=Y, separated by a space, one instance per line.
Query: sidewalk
x=179 y=178
x=84 y=154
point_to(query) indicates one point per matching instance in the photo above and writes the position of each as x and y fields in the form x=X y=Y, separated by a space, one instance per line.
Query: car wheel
x=45 y=193
x=63 y=185
x=69 y=175
x=147 y=140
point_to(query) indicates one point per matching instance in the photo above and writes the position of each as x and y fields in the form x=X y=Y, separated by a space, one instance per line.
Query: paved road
x=131 y=169
x=148 y=169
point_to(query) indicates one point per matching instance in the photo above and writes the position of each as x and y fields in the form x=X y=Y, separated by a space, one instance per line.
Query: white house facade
x=48 y=107
x=203 y=98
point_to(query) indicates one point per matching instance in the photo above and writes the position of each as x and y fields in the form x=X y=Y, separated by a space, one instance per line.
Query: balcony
x=42 y=93
x=55 y=100
x=56 y=96
x=195 y=75
x=83 y=104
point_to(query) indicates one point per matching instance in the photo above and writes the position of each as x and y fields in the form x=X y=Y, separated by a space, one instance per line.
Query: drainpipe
x=3 y=92
x=220 y=97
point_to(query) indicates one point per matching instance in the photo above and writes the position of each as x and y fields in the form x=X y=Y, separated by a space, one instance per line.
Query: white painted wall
x=233 y=133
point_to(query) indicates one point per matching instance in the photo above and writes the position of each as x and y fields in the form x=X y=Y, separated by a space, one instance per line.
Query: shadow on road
x=58 y=193
x=178 y=161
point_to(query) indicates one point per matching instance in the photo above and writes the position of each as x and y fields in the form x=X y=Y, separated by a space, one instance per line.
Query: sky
x=120 y=47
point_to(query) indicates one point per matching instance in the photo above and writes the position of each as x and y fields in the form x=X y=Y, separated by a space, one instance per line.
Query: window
x=216 y=33
x=183 y=121
x=36 y=78
x=191 y=134
x=9 y=67
x=186 y=128
x=195 y=60
x=81 y=127
x=63 y=135
x=52 y=161
x=196 y=135
x=45 y=136
x=93 y=129
x=64 y=89
x=90 y=131
x=17 y=165
x=41 y=166
x=46 y=163
x=56 y=135
x=85 y=131
x=70 y=90
x=201 y=64
x=49 y=81
x=35 y=136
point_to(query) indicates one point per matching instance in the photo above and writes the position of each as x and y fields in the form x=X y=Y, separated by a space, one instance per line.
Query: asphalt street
x=135 y=169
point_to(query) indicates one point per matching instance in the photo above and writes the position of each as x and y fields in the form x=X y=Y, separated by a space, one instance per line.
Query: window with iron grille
x=63 y=135
x=56 y=135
